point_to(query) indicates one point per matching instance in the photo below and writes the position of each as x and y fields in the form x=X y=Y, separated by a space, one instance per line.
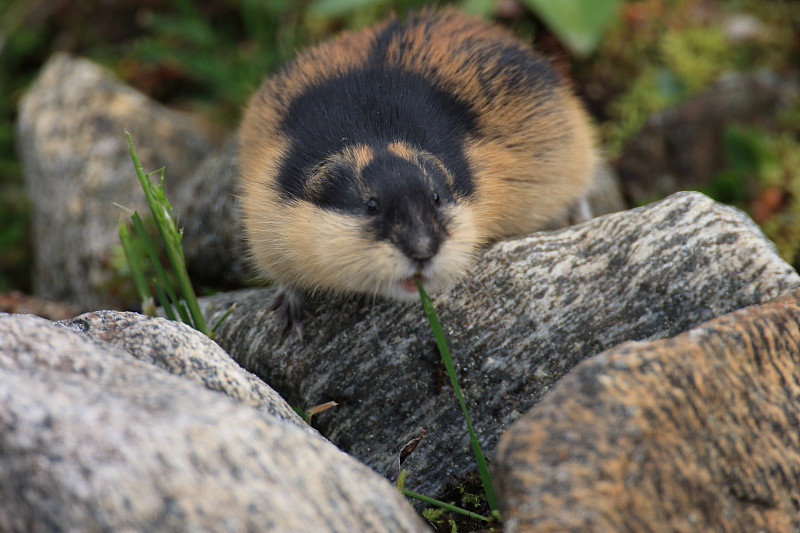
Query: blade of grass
x=175 y=255
x=161 y=274
x=180 y=305
x=133 y=262
x=171 y=235
x=223 y=317
x=444 y=505
x=441 y=342
x=165 y=304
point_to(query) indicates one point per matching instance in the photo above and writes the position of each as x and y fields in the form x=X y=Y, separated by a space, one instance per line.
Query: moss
x=652 y=91
x=686 y=61
x=777 y=207
x=697 y=56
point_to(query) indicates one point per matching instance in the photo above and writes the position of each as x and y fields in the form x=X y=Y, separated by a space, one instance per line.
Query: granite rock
x=700 y=432
x=180 y=350
x=530 y=310
x=212 y=236
x=92 y=439
x=71 y=139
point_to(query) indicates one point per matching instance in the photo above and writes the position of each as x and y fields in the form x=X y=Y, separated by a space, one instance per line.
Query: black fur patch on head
x=339 y=190
x=374 y=106
x=407 y=203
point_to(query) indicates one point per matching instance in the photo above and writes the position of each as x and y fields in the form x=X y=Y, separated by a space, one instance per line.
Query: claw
x=292 y=309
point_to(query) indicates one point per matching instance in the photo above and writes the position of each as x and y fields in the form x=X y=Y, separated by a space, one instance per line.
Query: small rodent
x=393 y=153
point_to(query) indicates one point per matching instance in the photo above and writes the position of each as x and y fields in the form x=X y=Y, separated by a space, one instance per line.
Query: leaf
x=405 y=451
x=337 y=8
x=747 y=150
x=444 y=505
x=320 y=408
x=578 y=23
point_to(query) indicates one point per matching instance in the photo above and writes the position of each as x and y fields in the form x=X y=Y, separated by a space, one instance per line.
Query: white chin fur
x=396 y=291
x=400 y=290
x=405 y=289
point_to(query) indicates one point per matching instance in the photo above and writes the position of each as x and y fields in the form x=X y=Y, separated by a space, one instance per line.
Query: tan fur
x=409 y=153
x=402 y=149
x=299 y=241
x=355 y=157
x=526 y=170
x=520 y=192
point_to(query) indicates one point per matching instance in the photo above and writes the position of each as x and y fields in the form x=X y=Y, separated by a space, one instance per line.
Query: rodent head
x=390 y=217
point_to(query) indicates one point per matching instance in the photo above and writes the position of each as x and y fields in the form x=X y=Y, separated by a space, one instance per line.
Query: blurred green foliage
x=628 y=59
x=686 y=62
x=763 y=177
x=579 y=23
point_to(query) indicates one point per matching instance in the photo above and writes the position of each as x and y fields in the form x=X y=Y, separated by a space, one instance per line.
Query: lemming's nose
x=420 y=247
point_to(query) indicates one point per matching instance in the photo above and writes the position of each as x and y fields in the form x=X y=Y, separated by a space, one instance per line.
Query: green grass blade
x=133 y=262
x=444 y=505
x=165 y=303
x=184 y=283
x=441 y=342
x=183 y=312
x=222 y=318
x=150 y=248
x=172 y=236
x=147 y=186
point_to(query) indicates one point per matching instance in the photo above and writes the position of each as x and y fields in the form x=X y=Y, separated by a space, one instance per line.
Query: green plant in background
x=175 y=291
x=227 y=60
x=685 y=62
x=578 y=23
x=763 y=178
x=223 y=59
x=697 y=55
x=777 y=206
x=14 y=248
x=17 y=45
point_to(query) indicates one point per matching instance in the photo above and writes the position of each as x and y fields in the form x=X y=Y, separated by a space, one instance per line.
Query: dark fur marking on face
x=374 y=106
x=408 y=214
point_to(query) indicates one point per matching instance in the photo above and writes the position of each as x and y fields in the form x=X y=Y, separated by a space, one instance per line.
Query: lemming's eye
x=436 y=198
x=372 y=206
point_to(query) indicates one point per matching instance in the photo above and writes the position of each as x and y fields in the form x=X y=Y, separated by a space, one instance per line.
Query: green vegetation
x=444 y=351
x=578 y=23
x=769 y=164
x=444 y=506
x=688 y=61
x=174 y=289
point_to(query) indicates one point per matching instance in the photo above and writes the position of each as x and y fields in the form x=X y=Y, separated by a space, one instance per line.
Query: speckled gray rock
x=71 y=140
x=179 y=349
x=92 y=439
x=700 y=432
x=531 y=310
x=213 y=243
